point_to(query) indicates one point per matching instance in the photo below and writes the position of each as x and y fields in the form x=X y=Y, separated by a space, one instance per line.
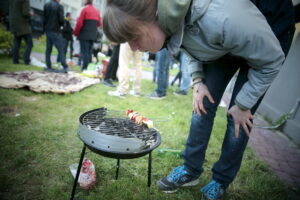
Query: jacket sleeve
x=61 y=15
x=195 y=68
x=79 y=23
x=253 y=40
x=44 y=17
x=26 y=9
x=67 y=27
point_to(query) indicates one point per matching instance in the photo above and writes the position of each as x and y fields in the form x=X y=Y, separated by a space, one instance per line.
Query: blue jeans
x=16 y=47
x=57 y=40
x=185 y=75
x=69 y=43
x=66 y=43
x=217 y=76
x=162 y=60
x=86 y=47
x=171 y=62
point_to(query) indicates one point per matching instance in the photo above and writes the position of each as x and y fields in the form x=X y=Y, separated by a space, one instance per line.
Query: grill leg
x=118 y=167
x=149 y=174
x=78 y=172
x=149 y=169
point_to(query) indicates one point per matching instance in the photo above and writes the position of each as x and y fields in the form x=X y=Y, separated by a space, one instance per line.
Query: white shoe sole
x=112 y=94
x=157 y=98
x=189 y=184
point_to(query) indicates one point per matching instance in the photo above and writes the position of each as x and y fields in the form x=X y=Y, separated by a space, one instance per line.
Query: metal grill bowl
x=116 y=136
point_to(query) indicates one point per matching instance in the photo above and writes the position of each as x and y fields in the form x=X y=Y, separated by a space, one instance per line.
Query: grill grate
x=109 y=123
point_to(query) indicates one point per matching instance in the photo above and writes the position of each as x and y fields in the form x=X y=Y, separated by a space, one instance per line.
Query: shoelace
x=212 y=189
x=177 y=173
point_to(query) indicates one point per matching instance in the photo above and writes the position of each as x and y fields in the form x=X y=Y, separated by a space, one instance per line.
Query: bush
x=6 y=41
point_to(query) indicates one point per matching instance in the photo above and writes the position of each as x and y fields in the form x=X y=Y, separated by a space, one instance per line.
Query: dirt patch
x=8 y=110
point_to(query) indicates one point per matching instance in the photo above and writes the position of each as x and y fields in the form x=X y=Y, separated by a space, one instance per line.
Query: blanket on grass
x=38 y=81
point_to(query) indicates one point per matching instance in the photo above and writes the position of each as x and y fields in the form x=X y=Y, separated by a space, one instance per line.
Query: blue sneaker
x=156 y=96
x=179 y=177
x=213 y=191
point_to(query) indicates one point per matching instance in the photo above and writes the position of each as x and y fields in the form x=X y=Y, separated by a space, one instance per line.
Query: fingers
x=201 y=106
x=236 y=129
x=249 y=123
x=229 y=113
x=210 y=98
x=199 y=93
x=196 y=108
x=197 y=104
x=246 y=129
x=241 y=118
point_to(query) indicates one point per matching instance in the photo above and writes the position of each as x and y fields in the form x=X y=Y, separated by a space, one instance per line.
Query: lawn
x=39 y=141
x=39 y=46
x=147 y=67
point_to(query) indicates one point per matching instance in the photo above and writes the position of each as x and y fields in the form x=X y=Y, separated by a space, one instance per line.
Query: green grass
x=39 y=46
x=39 y=141
x=146 y=67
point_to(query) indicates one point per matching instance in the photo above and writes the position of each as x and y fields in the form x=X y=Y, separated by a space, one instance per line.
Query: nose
x=134 y=46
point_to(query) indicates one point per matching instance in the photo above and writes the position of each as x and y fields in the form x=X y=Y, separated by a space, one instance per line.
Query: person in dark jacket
x=112 y=67
x=19 y=20
x=297 y=11
x=53 y=21
x=86 y=31
x=97 y=47
x=67 y=33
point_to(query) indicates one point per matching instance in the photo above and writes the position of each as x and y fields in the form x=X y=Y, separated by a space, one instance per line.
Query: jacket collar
x=197 y=10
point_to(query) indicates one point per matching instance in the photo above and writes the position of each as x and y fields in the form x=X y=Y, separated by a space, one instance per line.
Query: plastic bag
x=93 y=70
x=87 y=176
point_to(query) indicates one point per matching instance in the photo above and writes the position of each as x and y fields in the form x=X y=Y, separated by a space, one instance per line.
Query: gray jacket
x=214 y=28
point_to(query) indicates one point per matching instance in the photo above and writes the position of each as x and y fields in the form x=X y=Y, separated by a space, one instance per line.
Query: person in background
x=220 y=38
x=53 y=21
x=185 y=76
x=67 y=33
x=172 y=62
x=97 y=46
x=162 y=63
x=112 y=67
x=86 y=31
x=297 y=10
x=126 y=55
x=178 y=76
x=19 y=20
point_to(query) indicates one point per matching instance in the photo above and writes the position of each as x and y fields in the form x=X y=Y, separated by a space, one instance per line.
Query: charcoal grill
x=112 y=134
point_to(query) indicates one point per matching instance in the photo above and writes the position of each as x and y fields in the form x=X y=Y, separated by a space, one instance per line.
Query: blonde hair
x=124 y=19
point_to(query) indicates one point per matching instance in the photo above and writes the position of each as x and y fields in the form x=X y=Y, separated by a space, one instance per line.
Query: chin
x=154 y=50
